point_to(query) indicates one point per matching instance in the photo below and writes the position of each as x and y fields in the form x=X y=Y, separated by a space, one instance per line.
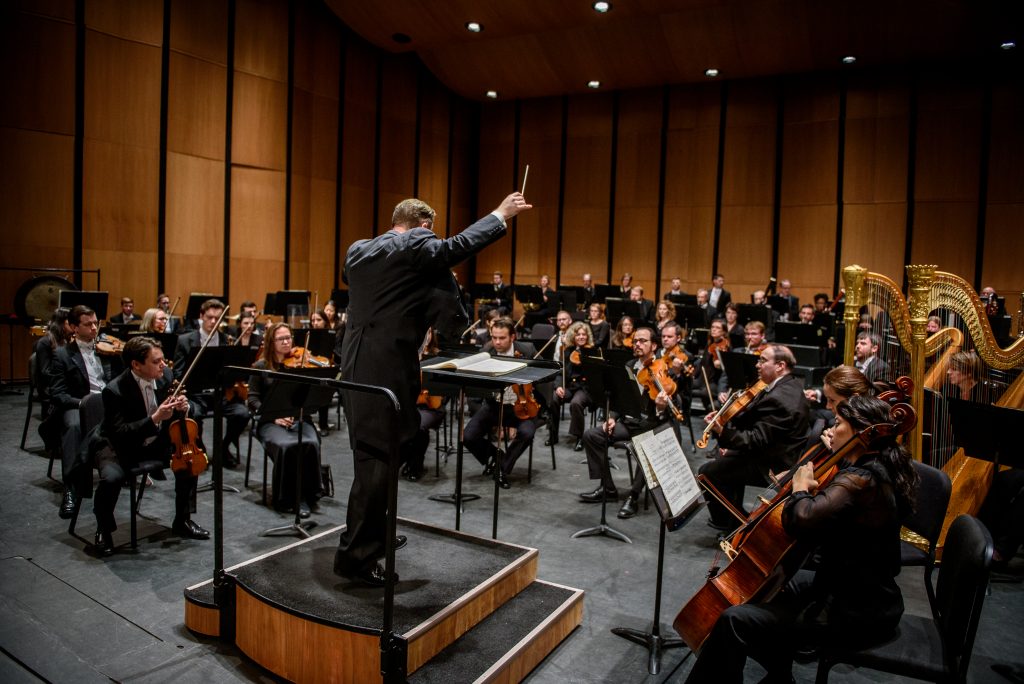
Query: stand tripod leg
x=603 y=529
x=457 y=498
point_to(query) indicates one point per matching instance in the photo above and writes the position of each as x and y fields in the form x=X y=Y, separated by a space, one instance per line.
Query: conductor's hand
x=512 y=205
x=169 y=406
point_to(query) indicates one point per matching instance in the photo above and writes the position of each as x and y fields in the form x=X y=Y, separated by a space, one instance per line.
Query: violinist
x=853 y=597
x=76 y=371
x=767 y=435
x=562 y=322
x=127 y=314
x=248 y=336
x=710 y=372
x=475 y=435
x=597 y=439
x=154 y=321
x=622 y=338
x=574 y=390
x=599 y=327
x=137 y=418
x=280 y=436
x=733 y=329
x=665 y=313
x=678 y=360
x=235 y=414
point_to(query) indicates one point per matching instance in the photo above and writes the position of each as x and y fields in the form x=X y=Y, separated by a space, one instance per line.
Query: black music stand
x=682 y=299
x=195 y=302
x=740 y=368
x=991 y=433
x=321 y=340
x=288 y=398
x=603 y=292
x=653 y=639
x=692 y=317
x=168 y=341
x=616 y=383
x=808 y=335
x=530 y=294
x=97 y=301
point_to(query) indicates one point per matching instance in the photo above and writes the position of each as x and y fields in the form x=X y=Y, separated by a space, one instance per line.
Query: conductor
x=391 y=278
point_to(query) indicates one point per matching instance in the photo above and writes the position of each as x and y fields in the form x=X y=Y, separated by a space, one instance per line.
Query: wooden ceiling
x=534 y=48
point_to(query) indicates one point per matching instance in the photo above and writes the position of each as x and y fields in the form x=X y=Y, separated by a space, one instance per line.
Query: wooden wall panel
x=748 y=187
x=196 y=106
x=435 y=117
x=397 y=137
x=875 y=175
x=691 y=166
x=587 y=201
x=199 y=28
x=257 y=233
x=261 y=38
x=140 y=20
x=496 y=153
x=947 y=172
x=194 y=246
x=540 y=146
x=260 y=128
x=360 y=131
x=810 y=166
x=1002 y=267
x=38 y=78
x=636 y=187
x=463 y=209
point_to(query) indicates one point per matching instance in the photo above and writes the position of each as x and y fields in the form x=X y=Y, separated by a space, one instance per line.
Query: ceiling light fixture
x=594 y=84
x=1008 y=45
x=474 y=26
x=602 y=6
x=711 y=73
x=849 y=59
x=492 y=94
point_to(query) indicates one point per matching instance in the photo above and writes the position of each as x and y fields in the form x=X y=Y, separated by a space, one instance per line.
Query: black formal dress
x=390 y=279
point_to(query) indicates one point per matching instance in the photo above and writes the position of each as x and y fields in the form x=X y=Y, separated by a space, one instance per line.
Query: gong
x=37 y=297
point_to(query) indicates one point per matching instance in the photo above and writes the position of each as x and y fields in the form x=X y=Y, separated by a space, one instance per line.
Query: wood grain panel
x=196 y=106
x=690 y=169
x=540 y=146
x=321 y=237
x=194 y=247
x=260 y=124
x=397 y=137
x=257 y=233
x=39 y=93
x=261 y=38
x=873 y=237
x=941 y=237
x=463 y=209
x=139 y=20
x=748 y=187
x=435 y=117
x=199 y=28
x=54 y=9
x=317 y=46
x=586 y=205
x=360 y=98
x=122 y=85
x=201 y=619
x=497 y=139
x=1005 y=212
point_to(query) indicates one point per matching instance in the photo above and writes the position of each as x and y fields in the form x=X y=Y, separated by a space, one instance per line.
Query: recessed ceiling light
x=711 y=73
x=849 y=59
x=602 y=7
x=474 y=26
x=594 y=84
x=492 y=94
x=1008 y=45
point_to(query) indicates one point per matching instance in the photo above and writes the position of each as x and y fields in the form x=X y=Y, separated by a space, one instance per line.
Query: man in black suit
x=127 y=314
x=588 y=290
x=137 y=415
x=767 y=435
x=866 y=359
x=77 y=370
x=501 y=297
x=792 y=301
x=718 y=296
x=387 y=322
x=236 y=415
x=636 y=294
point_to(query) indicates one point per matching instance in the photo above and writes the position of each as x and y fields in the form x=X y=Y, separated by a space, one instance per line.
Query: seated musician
x=154 y=321
x=248 y=336
x=806 y=315
x=58 y=333
x=839 y=384
x=754 y=332
x=680 y=361
x=77 y=370
x=588 y=290
x=574 y=391
x=664 y=314
x=733 y=329
x=676 y=290
x=280 y=436
x=636 y=294
x=866 y=359
x=138 y=415
x=477 y=431
x=759 y=298
x=596 y=440
x=163 y=302
x=599 y=327
x=235 y=414
x=853 y=598
x=562 y=322
x=792 y=301
x=127 y=314
x=431 y=410
x=500 y=298
x=718 y=296
x=933 y=325
x=622 y=338
x=709 y=374
x=702 y=303
x=547 y=302
x=821 y=303
x=767 y=435
x=626 y=285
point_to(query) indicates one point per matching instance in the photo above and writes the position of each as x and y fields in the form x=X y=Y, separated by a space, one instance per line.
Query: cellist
x=853 y=597
x=767 y=435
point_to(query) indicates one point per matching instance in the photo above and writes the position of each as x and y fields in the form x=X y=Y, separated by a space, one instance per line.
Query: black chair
x=36 y=395
x=931 y=500
x=254 y=421
x=939 y=649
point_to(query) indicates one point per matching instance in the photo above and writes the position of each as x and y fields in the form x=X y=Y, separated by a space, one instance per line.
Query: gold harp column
x=853 y=279
x=920 y=281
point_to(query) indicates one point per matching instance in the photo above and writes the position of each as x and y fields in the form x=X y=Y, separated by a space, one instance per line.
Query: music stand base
x=655 y=643
x=292 y=528
x=208 y=487
x=450 y=498
x=602 y=530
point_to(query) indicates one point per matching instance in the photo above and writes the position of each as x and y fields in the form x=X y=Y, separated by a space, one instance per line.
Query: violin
x=301 y=358
x=108 y=345
x=188 y=454
x=714 y=347
x=525 y=406
x=732 y=406
x=627 y=341
x=677 y=352
x=428 y=400
x=654 y=376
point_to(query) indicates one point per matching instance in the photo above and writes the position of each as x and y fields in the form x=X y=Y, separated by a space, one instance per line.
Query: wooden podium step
x=288 y=611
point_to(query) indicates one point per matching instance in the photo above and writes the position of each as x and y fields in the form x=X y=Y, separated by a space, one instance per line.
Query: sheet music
x=665 y=466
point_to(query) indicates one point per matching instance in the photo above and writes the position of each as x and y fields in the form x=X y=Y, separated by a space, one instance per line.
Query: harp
x=874 y=299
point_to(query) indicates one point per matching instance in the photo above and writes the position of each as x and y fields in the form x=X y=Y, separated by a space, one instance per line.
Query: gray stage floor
x=71 y=617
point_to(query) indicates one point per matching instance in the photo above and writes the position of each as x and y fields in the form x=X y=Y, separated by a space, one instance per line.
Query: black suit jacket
x=387 y=320
x=186 y=343
x=69 y=380
x=772 y=429
x=723 y=300
x=126 y=423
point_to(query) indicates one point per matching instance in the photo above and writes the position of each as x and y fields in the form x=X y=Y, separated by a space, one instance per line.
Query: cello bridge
x=728 y=549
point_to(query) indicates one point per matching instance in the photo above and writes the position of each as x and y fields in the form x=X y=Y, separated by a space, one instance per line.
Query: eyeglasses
x=283 y=339
x=761 y=361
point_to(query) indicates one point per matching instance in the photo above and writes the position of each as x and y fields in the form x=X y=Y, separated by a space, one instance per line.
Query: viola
x=732 y=406
x=188 y=454
x=627 y=341
x=108 y=345
x=428 y=400
x=716 y=346
x=240 y=391
x=525 y=406
x=654 y=376
x=301 y=358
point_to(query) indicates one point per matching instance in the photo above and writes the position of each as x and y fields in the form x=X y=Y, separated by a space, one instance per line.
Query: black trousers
x=112 y=474
x=596 y=442
x=415 y=451
x=70 y=443
x=362 y=542
x=477 y=439
x=729 y=475
x=578 y=400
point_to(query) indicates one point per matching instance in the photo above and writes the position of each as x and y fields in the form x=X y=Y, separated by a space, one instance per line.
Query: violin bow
x=216 y=329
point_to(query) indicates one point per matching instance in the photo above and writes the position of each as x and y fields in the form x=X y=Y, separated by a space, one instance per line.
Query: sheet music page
x=661 y=453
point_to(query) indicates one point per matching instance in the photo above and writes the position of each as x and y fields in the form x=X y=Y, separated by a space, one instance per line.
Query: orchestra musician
x=665 y=313
x=248 y=336
x=280 y=436
x=754 y=332
x=636 y=294
x=702 y=303
x=933 y=325
x=596 y=440
x=77 y=370
x=733 y=328
x=574 y=391
x=853 y=598
x=680 y=361
x=718 y=296
x=711 y=371
x=767 y=435
x=588 y=290
x=625 y=286
x=866 y=359
x=138 y=414
x=562 y=322
x=676 y=289
x=820 y=303
x=792 y=301
x=622 y=338
x=477 y=431
x=127 y=314
x=163 y=302
x=547 y=302
x=154 y=321
x=501 y=298
x=599 y=327
x=58 y=333
x=386 y=277
x=842 y=382
x=806 y=314
x=236 y=416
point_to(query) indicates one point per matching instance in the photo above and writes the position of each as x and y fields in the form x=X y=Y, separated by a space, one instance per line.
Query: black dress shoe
x=103 y=544
x=579 y=445
x=190 y=530
x=597 y=495
x=502 y=480
x=489 y=468
x=551 y=441
x=400 y=541
x=373 y=576
x=628 y=509
x=303 y=510
x=67 y=506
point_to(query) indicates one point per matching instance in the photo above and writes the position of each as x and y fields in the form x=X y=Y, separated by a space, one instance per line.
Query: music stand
x=660 y=456
x=340 y=299
x=692 y=317
x=321 y=340
x=168 y=341
x=195 y=302
x=779 y=304
x=95 y=300
x=991 y=433
x=615 y=309
x=787 y=332
x=603 y=292
x=286 y=399
x=751 y=312
x=740 y=368
x=682 y=299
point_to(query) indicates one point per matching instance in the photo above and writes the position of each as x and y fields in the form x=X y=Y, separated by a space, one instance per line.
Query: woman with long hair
x=154 y=321
x=598 y=325
x=664 y=313
x=622 y=338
